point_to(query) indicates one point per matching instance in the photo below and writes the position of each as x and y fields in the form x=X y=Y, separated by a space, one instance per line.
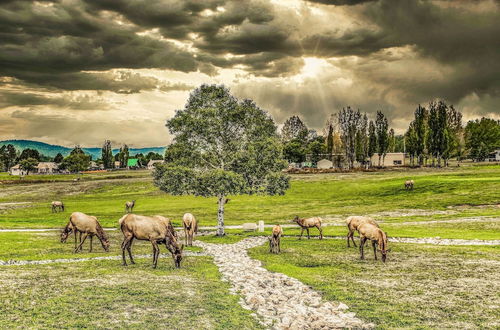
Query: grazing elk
x=368 y=231
x=353 y=222
x=309 y=223
x=129 y=206
x=190 y=228
x=157 y=230
x=85 y=225
x=275 y=239
x=409 y=184
x=57 y=206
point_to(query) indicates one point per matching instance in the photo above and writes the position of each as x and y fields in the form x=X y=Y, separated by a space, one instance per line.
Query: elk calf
x=190 y=228
x=275 y=239
x=57 y=206
x=129 y=206
x=368 y=231
x=353 y=222
x=309 y=223
x=409 y=184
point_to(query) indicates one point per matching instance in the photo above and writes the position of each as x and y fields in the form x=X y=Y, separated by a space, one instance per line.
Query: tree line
x=434 y=136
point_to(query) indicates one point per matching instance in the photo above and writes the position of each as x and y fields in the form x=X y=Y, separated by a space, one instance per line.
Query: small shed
x=325 y=164
x=132 y=163
x=152 y=163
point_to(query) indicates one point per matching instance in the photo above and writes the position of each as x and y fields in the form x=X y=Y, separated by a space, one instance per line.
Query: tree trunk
x=220 y=216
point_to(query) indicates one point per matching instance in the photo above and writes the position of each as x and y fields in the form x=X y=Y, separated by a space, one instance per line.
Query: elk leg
x=361 y=244
x=75 y=238
x=155 y=254
x=79 y=248
x=91 y=236
x=320 y=232
x=301 y=232
x=129 y=249
x=374 y=249
x=308 y=237
x=348 y=236
x=352 y=238
x=124 y=246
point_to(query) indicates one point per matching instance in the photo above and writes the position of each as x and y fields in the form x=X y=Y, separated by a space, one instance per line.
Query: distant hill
x=52 y=150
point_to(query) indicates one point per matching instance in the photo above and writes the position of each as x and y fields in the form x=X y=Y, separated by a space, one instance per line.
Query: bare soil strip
x=427 y=240
x=52 y=261
x=279 y=301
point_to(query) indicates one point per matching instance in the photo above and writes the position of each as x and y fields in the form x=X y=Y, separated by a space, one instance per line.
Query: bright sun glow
x=313 y=67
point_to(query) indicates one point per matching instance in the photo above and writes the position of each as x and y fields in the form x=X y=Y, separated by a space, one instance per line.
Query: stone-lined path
x=279 y=301
x=424 y=240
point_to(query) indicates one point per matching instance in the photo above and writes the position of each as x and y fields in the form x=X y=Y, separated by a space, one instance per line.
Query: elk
x=309 y=223
x=57 y=206
x=129 y=206
x=353 y=222
x=156 y=229
x=368 y=231
x=409 y=184
x=190 y=228
x=85 y=225
x=275 y=239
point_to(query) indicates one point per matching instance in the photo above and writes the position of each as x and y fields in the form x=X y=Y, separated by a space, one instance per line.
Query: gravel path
x=424 y=240
x=53 y=261
x=279 y=301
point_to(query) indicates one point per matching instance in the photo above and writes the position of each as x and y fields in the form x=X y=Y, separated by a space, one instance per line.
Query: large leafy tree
x=294 y=128
x=29 y=153
x=372 y=140
x=349 y=122
x=222 y=146
x=58 y=158
x=482 y=137
x=28 y=164
x=420 y=131
x=8 y=156
x=123 y=156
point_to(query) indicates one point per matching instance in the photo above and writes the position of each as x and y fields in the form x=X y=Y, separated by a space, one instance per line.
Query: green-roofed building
x=132 y=162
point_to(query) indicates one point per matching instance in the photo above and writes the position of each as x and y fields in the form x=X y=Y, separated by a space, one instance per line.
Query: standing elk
x=309 y=223
x=368 y=231
x=353 y=222
x=88 y=226
x=275 y=239
x=129 y=206
x=409 y=184
x=57 y=206
x=190 y=228
x=156 y=229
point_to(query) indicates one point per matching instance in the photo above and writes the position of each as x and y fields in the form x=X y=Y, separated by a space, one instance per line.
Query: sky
x=82 y=71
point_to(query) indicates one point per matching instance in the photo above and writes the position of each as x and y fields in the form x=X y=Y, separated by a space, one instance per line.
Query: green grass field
x=421 y=286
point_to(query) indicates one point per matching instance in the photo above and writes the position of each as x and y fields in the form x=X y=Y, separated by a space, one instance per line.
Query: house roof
x=152 y=162
x=132 y=162
x=47 y=165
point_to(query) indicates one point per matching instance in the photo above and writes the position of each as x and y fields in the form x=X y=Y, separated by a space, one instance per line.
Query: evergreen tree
x=107 y=155
x=372 y=140
x=349 y=121
x=58 y=158
x=382 y=126
x=294 y=128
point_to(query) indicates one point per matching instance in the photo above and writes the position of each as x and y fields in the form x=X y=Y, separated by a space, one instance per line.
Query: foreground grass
x=46 y=245
x=105 y=295
x=328 y=195
x=421 y=286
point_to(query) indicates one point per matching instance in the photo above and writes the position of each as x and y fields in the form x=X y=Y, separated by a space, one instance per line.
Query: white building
x=494 y=156
x=391 y=159
x=46 y=168
x=151 y=164
x=15 y=170
x=325 y=164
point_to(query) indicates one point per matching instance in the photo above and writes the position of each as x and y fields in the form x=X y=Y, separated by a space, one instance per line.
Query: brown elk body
x=129 y=206
x=353 y=222
x=275 y=239
x=190 y=228
x=157 y=230
x=309 y=223
x=57 y=206
x=409 y=184
x=85 y=225
x=377 y=236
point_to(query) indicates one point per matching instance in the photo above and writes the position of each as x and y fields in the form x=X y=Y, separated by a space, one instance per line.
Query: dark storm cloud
x=39 y=41
x=341 y=2
x=80 y=102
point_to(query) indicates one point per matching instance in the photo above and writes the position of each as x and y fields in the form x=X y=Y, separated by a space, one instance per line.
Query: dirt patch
x=411 y=213
x=4 y=207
